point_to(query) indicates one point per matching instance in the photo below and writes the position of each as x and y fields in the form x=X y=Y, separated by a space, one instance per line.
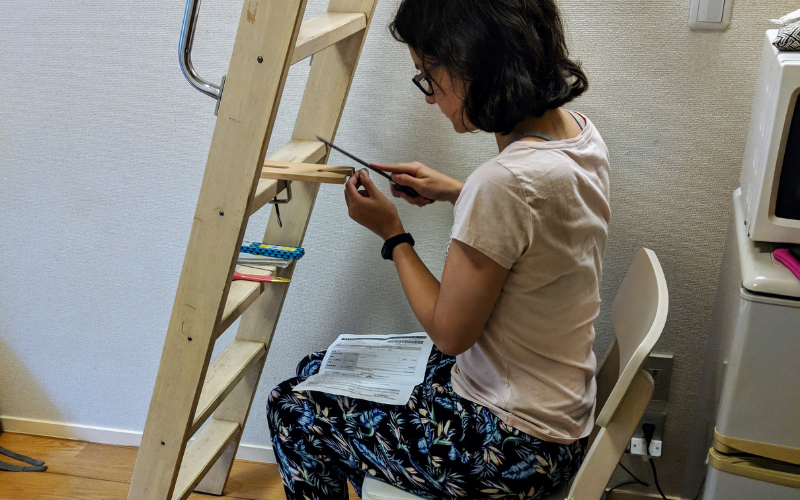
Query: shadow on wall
x=20 y=395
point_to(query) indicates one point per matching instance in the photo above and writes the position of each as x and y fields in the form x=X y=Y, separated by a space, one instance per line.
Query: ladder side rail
x=332 y=72
x=258 y=324
x=267 y=29
x=330 y=78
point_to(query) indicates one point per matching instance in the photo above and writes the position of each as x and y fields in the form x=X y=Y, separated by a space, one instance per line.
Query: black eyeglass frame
x=418 y=82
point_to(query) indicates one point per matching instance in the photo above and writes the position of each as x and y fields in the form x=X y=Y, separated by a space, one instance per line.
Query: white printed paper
x=378 y=368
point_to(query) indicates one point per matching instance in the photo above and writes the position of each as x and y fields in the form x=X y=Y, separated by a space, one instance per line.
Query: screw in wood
x=260 y=59
x=162 y=443
x=190 y=339
x=221 y=213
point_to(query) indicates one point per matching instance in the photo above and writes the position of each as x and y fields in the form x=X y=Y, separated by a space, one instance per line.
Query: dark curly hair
x=511 y=54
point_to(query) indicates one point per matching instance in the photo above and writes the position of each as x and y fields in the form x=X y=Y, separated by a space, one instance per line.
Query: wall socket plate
x=660 y=368
x=658 y=419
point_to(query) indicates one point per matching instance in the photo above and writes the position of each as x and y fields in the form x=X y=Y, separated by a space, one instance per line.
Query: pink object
x=785 y=257
x=259 y=278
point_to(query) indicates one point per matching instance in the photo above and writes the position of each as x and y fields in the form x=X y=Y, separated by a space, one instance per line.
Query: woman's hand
x=370 y=208
x=430 y=184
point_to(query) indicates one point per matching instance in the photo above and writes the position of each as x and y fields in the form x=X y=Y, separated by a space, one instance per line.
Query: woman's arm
x=452 y=312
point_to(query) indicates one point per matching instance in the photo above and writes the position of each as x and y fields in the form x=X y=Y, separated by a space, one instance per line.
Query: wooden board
x=330 y=78
x=325 y=30
x=298 y=151
x=202 y=453
x=236 y=361
x=308 y=172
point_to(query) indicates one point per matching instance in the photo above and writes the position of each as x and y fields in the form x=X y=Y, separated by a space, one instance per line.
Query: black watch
x=388 y=246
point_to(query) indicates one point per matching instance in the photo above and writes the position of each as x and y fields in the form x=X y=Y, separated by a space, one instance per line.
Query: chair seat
x=373 y=489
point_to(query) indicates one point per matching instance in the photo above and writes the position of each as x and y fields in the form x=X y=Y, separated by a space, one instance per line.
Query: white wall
x=103 y=145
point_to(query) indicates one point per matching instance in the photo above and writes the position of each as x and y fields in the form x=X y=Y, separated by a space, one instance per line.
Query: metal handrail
x=185 y=52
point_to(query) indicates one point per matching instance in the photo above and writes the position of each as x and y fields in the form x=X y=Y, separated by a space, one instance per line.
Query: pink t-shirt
x=541 y=210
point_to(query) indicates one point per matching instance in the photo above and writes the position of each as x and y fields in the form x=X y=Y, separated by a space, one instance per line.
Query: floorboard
x=78 y=470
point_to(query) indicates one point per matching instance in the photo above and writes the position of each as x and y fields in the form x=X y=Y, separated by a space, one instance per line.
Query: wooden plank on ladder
x=224 y=373
x=241 y=295
x=320 y=111
x=309 y=172
x=202 y=452
x=296 y=151
x=265 y=40
x=325 y=30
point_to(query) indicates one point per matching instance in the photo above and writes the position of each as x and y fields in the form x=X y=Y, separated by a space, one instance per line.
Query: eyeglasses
x=423 y=83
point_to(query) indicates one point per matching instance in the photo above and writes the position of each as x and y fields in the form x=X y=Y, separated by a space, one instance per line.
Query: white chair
x=638 y=314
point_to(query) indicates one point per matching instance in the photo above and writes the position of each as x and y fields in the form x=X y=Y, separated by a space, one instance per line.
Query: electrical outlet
x=638 y=444
x=659 y=366
x=659 y=420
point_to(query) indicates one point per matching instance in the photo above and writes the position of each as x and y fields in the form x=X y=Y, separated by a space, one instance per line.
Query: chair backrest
x=638 y=314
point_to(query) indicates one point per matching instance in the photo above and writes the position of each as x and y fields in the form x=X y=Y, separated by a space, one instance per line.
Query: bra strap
x=580 y=122
x=546 y=137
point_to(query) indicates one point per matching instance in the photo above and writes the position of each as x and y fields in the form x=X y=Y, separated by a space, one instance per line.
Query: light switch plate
x=704 y=13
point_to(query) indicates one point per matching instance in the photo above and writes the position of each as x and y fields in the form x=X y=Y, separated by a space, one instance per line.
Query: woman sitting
x=508 y=398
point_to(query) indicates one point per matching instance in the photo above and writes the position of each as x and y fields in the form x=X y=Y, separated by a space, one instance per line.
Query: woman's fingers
x=396 y=193
x=398 y=168
x=411 y=199
x=406 y=180
x=371 y=189
x=351 y=189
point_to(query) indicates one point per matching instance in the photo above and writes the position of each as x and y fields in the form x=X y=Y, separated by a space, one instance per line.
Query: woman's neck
x=551 y=123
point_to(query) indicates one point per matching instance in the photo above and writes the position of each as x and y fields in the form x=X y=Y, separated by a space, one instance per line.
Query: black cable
x=655 y=477
x=619 y=486
x=696 y=497
x=636 y=479
x=648 y=430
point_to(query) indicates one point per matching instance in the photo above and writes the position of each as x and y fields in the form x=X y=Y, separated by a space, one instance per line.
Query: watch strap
x=391 y=243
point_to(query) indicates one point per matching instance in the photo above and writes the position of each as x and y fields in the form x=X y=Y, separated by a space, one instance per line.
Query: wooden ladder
x=190 y=391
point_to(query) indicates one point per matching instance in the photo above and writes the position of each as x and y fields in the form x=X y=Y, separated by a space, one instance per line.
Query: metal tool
x=403 y=189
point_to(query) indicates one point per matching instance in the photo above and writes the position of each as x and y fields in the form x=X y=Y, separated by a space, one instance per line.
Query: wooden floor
x=78 y=470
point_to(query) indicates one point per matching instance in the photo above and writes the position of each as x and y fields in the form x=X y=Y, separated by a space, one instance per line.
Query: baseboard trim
x=106 y=435
x=633 y=495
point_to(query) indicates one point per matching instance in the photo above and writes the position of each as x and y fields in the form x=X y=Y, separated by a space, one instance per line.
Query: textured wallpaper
x=103 y=146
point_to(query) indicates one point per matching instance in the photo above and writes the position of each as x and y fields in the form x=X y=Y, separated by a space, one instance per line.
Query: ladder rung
x=241 y=295
x=201 y=454
x=298 y=151
x=325 y=30
x=224 y=373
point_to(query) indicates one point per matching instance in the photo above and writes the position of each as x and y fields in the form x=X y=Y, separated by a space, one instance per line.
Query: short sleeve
x=493 y=216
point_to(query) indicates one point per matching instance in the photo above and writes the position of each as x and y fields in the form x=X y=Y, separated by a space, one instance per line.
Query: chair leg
x=611 y=441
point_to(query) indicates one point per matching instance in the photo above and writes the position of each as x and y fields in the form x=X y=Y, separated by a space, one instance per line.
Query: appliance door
x=761 y=393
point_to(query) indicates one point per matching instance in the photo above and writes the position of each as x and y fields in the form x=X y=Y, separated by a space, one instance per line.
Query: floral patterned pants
x=437 y=446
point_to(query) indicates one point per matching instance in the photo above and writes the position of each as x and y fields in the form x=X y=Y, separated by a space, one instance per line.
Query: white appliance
x=756 y=321
x=770 y=177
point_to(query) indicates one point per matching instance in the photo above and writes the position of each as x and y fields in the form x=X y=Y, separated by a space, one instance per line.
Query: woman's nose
x=430 y=99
